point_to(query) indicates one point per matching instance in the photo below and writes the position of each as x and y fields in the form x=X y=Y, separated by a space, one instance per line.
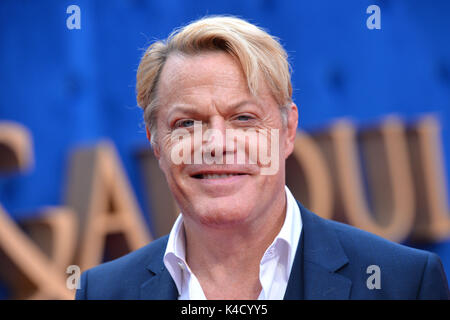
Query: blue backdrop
x=75 y=87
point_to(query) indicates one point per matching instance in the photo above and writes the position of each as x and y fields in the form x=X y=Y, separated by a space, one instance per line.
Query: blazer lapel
x=160 y=285
x=319 y=257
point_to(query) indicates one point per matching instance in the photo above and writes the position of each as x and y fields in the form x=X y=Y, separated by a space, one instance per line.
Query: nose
x=214 y=141
x=217 y=123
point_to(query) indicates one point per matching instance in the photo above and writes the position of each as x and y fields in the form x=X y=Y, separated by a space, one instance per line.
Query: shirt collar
x=289 y=234
x=175 y=254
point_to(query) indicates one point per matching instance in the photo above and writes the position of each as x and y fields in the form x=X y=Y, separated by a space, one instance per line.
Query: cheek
x=177 y=147
x=175 y=156
x=167 y=165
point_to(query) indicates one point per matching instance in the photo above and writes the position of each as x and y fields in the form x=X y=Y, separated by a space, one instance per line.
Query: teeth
x=217 y=176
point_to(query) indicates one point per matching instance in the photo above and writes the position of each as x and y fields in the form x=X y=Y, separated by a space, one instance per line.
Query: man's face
x=208 y=92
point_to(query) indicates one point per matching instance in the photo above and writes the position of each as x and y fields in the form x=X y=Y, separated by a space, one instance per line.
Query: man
x=217 y=98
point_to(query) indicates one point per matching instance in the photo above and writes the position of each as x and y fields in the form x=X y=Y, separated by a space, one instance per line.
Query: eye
x=244 y=117
x=186 y=123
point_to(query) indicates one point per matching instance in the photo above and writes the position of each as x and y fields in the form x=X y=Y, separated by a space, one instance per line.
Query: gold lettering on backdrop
x=98 y=190
x=432 y=211
x=15 y=147
x=23 y=265
x=387 y=158
x=389 y=176
x=55 y=232
x=308 y=176
x=31 y=273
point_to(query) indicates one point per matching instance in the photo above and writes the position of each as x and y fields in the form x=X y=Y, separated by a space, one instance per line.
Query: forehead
x=189 y=73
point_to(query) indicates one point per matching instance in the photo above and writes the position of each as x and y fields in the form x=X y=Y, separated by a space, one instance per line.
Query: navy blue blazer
x=330 y=263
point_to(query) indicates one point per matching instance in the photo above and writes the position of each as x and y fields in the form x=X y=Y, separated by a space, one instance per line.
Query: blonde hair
x=257 y=52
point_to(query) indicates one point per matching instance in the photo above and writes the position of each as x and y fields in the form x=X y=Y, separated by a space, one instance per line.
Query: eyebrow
x=182 y=107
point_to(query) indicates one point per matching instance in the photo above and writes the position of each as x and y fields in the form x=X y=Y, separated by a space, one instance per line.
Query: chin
x=221 y=215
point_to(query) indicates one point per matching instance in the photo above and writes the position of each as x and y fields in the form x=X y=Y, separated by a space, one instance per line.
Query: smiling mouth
x=216 y=175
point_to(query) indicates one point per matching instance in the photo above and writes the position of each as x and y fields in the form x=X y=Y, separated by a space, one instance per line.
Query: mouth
x=220 y=181
x=216 y=175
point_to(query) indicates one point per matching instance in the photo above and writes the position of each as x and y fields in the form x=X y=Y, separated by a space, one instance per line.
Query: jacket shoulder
x=405 y=272
x=362 y=241
x=357 y=242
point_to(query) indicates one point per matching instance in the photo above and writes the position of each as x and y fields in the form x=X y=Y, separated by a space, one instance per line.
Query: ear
x=292 y=123
x=155 y=146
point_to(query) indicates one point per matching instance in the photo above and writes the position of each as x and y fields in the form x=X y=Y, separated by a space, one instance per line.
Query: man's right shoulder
x=121 y=278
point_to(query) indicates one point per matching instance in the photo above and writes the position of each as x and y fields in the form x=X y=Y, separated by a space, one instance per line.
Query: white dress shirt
x=275 y=265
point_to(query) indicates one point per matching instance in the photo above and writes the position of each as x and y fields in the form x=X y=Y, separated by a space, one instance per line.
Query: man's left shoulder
x=357 y=243
x=402 y=269
x=368 y=245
